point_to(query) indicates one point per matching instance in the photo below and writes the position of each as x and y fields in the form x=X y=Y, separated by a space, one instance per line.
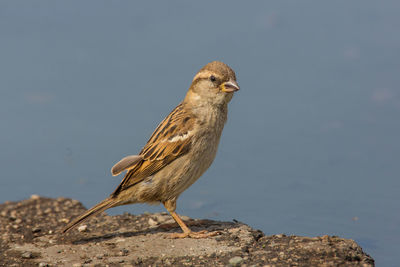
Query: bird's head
x=214 y=84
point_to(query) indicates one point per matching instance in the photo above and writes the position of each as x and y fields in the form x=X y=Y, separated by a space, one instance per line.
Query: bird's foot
x=197 y=235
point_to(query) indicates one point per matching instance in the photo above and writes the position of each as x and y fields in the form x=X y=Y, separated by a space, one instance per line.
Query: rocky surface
x=30 y=236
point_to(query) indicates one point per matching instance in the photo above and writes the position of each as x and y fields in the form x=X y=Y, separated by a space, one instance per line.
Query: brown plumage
x=155 y=155
x=179 y=151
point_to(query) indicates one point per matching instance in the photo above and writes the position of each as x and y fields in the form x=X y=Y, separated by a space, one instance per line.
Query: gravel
x=236 y=261
x=30 y=235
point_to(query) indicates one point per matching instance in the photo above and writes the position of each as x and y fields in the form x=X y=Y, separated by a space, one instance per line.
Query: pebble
x=13 y=215
x=123 y=252
x=234 y=230
x=27 y=255
x=43 y=264
x=74 y=202
x=325 y=237
x=185 y=218
x=152 y=222
x=82 y=228
x=236 y=261
x=48 y=210
x=36 y=230
x=34 y=196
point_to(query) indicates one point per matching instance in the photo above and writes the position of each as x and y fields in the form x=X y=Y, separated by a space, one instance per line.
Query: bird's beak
x=229 y=87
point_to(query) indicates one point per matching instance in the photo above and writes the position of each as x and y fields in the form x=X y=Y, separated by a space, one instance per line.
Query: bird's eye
x=212 y=78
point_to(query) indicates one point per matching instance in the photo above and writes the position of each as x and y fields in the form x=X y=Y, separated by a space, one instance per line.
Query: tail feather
x=102 y=206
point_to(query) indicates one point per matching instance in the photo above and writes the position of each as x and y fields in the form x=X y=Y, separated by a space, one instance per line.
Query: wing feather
x=171 y=139
x=125 y=163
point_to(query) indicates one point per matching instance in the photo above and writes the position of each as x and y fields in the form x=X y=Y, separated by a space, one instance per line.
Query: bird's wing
x=171 y=140
x=125 y=164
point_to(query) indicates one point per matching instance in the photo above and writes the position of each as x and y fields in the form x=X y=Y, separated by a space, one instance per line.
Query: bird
x=179 y=151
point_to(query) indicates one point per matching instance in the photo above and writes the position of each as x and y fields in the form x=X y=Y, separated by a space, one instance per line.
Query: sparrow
x=179 y=151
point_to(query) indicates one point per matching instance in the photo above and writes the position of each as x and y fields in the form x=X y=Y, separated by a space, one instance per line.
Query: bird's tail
x=102 y=206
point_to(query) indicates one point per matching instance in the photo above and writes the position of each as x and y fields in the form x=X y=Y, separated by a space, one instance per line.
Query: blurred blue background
x=311 y=146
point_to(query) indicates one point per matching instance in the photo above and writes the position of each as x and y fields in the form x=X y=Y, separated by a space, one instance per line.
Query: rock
x=27 y=255
x=13 y=215
x=152 y=222
x=37 y=230
x=35 y=197
x=143 y=240
x=236 y=261
x=82 y=228
x=123 y=252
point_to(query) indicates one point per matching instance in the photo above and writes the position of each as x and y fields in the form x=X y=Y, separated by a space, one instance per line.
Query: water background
x=311 y=146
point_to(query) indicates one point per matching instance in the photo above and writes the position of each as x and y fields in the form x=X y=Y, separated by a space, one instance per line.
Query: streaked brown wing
x=171 y=139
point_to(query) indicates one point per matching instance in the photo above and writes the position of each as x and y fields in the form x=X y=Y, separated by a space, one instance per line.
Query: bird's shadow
x=197 y=225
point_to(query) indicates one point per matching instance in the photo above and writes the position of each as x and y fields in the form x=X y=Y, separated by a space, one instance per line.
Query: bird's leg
x=187 y=232
x=171 y=206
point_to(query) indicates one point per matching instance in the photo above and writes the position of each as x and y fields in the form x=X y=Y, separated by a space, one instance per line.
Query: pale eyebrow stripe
x=204 y=74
